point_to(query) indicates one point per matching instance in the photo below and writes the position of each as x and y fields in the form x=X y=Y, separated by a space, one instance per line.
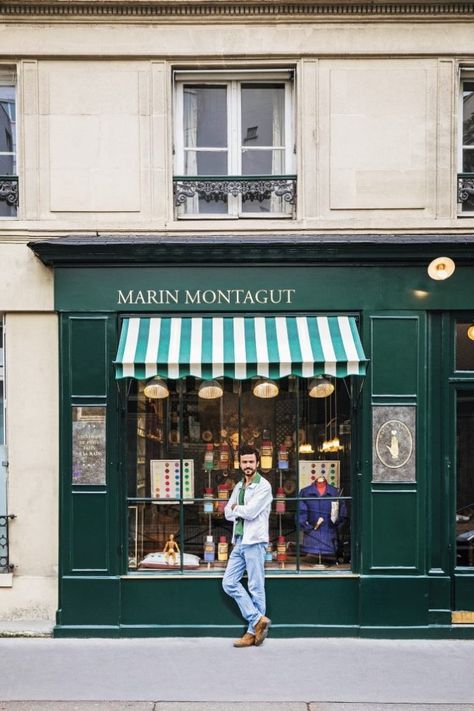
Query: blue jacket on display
x=322 y=540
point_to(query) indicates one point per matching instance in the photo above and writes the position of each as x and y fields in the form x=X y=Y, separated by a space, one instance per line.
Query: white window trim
x=233 y=79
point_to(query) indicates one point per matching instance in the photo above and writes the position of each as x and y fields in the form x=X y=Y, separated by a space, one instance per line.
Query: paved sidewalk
x=283 y=671
x=212 y=706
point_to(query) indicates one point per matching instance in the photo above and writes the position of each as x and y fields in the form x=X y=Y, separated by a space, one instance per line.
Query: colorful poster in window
x=310 y=471
x=165 y=478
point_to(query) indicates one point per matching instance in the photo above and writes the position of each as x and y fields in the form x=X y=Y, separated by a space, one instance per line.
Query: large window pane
x=184 y=463
x=263 y=115
x=7 y=165
x=7 y=141
x=205 y=116
x=468 y=160
x=205 y=163
x=465 y=479
x=263 y=162
x=468 y=113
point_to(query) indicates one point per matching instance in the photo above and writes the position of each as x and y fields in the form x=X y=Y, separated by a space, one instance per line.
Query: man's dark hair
x=247 y=449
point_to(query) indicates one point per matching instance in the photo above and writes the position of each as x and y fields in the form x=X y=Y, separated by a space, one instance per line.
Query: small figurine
x=170 y=550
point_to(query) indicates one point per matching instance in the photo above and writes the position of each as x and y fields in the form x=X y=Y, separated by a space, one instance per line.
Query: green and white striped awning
x=240 y=347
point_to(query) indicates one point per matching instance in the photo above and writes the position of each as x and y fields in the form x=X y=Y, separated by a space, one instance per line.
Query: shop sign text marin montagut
x=239 y=297
x=273 y=288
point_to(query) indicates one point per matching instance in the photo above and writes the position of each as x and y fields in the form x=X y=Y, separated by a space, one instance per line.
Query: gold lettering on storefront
x=206 y=297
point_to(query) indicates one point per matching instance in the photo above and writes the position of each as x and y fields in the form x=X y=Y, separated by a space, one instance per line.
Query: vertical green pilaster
x=90 y=530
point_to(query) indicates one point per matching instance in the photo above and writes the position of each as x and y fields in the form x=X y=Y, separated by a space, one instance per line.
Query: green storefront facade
x=407 y=576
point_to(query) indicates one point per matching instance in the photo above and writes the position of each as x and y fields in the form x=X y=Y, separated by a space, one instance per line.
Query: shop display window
x=465 y=478
x=183 y=439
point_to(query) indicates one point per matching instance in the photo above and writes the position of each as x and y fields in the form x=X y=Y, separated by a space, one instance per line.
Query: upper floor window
x=234 y=144
x=466 y=146
x=8 y=162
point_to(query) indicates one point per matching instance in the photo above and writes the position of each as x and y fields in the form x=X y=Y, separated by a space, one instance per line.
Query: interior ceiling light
x=265 y=388
x=210 y=390
x=332 y=445
x=156 y=389
x=441 y=268
x=306 y=448
x=320 y=387
x=470 y=332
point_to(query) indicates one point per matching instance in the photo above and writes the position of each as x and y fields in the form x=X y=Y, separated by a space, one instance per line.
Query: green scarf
x=239 y=523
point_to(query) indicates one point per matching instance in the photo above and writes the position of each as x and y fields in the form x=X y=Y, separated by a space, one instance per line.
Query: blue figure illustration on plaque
x=321 y=516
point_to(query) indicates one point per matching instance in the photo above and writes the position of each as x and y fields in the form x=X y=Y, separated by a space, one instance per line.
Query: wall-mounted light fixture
x=441 y=268
x=470 y=332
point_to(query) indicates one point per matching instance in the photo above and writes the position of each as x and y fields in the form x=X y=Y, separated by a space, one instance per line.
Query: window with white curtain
x=229 y=127
x=8 y=157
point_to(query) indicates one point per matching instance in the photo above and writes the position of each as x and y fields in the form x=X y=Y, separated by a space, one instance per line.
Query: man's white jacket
x=255 y=511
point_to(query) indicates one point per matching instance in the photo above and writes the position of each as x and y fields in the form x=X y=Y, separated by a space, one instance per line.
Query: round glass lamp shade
x=265 y=388
x=470 y=332
x=210 y=390
x=156 y=389
x=441 y=268
x=320 y=387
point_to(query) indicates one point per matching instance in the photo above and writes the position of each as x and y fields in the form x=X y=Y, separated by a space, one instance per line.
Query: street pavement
x=192 y=674
x=216 y=706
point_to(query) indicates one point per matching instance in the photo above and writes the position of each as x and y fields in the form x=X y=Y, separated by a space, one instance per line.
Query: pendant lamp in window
x=320 y=387
x=265 y=388
x=156 y=389
x=210 y=390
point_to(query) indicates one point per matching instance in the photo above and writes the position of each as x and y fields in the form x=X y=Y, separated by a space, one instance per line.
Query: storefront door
x=462 y=474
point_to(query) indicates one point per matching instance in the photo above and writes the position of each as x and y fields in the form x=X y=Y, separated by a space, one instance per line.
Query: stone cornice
x=272 y=249
x=288 y=11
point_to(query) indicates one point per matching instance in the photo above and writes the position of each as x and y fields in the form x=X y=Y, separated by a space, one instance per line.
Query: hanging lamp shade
x=156 y=389
x=265 y=388
x=320 y=387
x=210 y=390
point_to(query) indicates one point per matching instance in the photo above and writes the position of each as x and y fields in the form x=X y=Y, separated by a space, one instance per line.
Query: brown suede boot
x=261 y=629
x=248 y=640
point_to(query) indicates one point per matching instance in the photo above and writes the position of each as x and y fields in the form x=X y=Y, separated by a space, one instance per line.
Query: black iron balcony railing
x=9 y=190
x=465 y=186
x=214 y=188
x=5 y=565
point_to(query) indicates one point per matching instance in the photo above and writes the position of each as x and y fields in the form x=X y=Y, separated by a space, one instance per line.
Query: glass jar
x=266 y=452
x=222 y=549
x=223 y=496
x=209 y=550
x=208 y=504
x=281 y=549
x=282 y=457
x=209 y=457
x=280 y=505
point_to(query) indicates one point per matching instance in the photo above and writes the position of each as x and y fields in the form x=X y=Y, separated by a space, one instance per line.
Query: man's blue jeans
x=250 y=558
